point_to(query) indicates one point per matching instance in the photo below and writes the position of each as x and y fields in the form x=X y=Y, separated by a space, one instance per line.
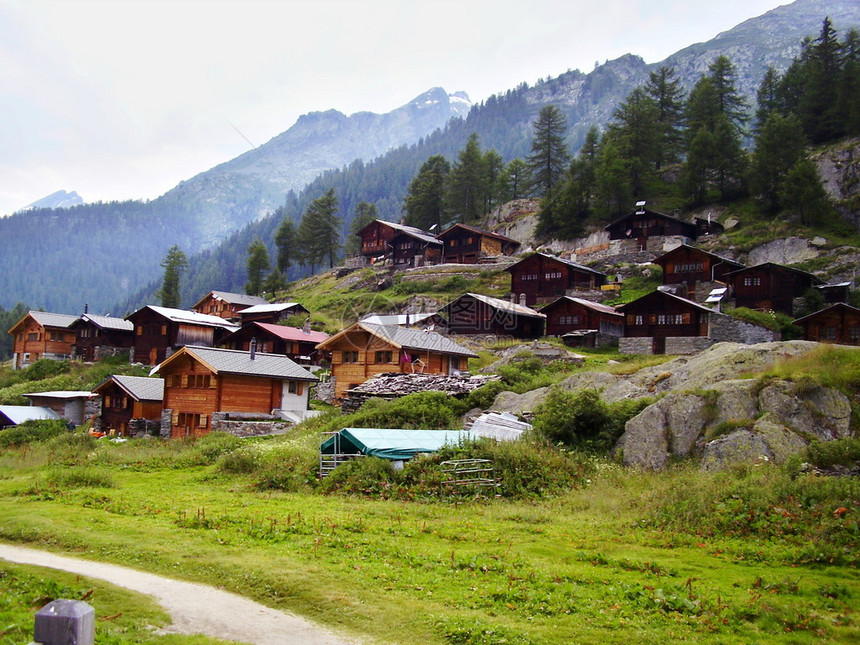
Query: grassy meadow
x=571 y=548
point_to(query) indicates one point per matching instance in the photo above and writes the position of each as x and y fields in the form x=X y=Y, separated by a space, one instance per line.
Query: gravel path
x=194 y=608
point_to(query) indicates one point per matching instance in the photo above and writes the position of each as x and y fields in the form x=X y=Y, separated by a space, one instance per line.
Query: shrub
x=289 y=472
x=842 y=452
x=239 y=462
x=80 y=478
x=428 y=410
x=206 y=450
x=362 y=476
x=484 y=396
x=32 y=431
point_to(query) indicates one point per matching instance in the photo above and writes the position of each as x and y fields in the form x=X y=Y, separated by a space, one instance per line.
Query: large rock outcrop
x=737 y=420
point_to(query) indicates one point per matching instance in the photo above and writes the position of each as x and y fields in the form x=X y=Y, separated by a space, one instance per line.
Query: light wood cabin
x=226 y=305
x=200 y=381
x=364 y=350
x=40 y=334
x=124 y=398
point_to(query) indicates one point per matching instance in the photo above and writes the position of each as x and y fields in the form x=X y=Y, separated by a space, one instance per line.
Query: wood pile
x=392 y=385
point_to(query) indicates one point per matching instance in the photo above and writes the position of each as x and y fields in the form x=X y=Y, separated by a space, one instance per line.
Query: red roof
x=292 y=333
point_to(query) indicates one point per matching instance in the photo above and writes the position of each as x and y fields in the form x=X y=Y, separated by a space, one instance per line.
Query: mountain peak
x=59 y=199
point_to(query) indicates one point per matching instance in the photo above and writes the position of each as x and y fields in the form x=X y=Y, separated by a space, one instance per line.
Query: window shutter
x=299 y=388
x=174 y=418
x=184 y=381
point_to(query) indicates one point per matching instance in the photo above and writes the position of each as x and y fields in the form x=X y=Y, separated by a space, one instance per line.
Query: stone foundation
x=632 y=345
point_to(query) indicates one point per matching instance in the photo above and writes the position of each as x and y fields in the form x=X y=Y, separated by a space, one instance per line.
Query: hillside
x=201 y=212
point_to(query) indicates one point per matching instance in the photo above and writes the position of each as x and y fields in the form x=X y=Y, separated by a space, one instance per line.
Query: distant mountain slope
x=229 y=202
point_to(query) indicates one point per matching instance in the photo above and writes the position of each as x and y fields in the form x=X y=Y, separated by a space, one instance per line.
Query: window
x=829 y=333
x=349 y=357
x=33 y=335
x=383 y=357
x=635 y=319
x=553 y=275
x=854 y=333
x=198 y=380
x=752 y=282
x=689 y=267
x=294 y=387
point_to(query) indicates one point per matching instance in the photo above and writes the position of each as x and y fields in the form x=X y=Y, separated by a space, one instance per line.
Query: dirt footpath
x=194 y=608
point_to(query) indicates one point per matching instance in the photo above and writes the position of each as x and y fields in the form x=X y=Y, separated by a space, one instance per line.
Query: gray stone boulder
x=769 y=422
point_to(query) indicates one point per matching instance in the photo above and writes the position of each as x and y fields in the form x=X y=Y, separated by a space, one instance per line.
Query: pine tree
x=174 y=263
x=467 y=184
x=424 y=204
x=803 y=193
x=779 y=146
x=767 y=98
x=318 y=234
x=258 y=265
x=515 y=180
x=365 y=213
x=549 y=157
x=664 y=88
x=285 y=242
x=635 y=129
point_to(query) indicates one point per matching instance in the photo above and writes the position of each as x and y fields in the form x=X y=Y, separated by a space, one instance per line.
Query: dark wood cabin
x=689 y=265
x=376 y=237
x=543 y=278
x=410 y=249
x=660 y=315
x=272 y=313
x=226 y=305
x=202 y=381
x=158 y=331
x=567 y=314
x=299 y=345
x=473 y=313
x=833 y=293
x=465 y=244
x=838 y=323
x=642 y=223
x=128 y=397
x=100 y=336
x=770 y=286
x=41 y=334
x=364 y=350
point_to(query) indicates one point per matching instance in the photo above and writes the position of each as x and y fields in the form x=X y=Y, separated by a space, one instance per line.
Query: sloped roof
x=47 y=319
x=427 y=238
x=570 y=263
x=108 y=322
x=397 y=319
x=391 y=443
x=62 y=394
x=779 y=267
x=690 y=247
x=271 y=308
x=501 y=305
x=648 y=212
x=477 y=231
x=189 y=317
x=839 y=305
x=16 y=414
x=234 y=298
x=666 y=294
x=233 y=361
x=140 y=388
x=405 y=338
x=595 y=306
x=289 y=333
x=397 y=227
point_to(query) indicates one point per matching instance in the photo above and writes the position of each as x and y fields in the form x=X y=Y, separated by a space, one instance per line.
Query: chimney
x=86 y=308
x=306 y=328
x=253 y=348
x=407 y=321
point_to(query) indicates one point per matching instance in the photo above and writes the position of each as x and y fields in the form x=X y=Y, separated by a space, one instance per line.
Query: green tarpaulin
x=390 y=443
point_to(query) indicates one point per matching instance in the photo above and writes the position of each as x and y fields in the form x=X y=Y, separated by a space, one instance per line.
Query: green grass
x=625 y=556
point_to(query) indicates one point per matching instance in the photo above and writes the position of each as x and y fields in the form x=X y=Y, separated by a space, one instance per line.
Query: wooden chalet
x=100 y=336
x=465 y=244
x=299 y=345
x=770 y=286
x=660 y=315
x=158 y=331
x=376 y=239
x=688 y=265
x=839 y=323
x=74 y=406
x=419 y=320
x=128 y=397
x=414 y=249
x=272 y=313
x=473 y=313
x=833 y=293
x=225 y=304
x=567 y=314
x=40 y=334
x=200 y=382
x=543 y=278
x=363 y=350
x=643 y=223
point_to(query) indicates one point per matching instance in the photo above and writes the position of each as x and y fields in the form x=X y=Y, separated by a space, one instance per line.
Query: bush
x=842 y=452
x=239 y=462
x=427 y=410
x=80 y=478
x=371 y=476
x=484 y=396
x=32 y=431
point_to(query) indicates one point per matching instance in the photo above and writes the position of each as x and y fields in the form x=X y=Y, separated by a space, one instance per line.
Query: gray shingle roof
x=502 y=305
x=47 y=319
x=141 y=388
x=233 y=361
x=109 y=322
x=191 y=317
x=417 y=339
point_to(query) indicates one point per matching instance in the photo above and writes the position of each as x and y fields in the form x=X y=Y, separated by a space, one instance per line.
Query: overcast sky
x=122 y=99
